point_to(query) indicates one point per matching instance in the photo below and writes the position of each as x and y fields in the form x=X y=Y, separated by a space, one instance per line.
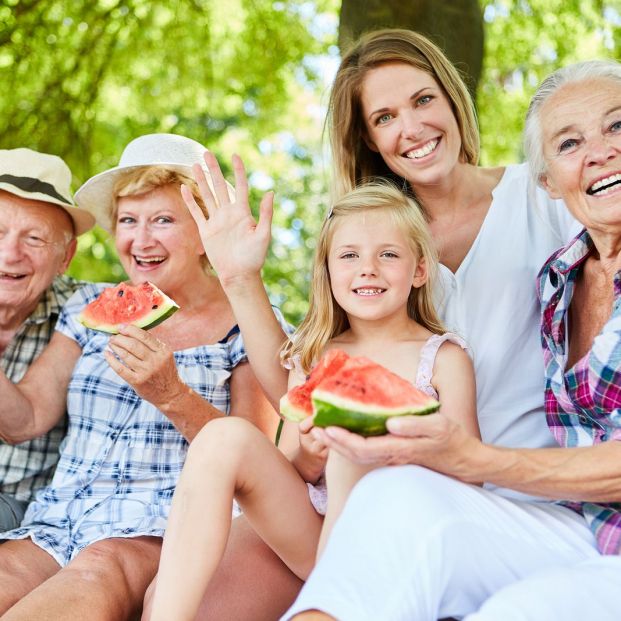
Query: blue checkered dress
x=121 y=458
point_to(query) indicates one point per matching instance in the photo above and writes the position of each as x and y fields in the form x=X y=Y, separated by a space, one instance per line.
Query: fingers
x=204 y=189
x=241 y=179
x=195 y=211
x=266 y=212
x=306 y=425
x=431 y=425
x=130 y=336
x=217 y=179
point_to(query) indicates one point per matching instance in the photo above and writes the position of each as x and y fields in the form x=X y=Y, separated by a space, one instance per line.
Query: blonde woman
x=90 y=542
x=371 y=296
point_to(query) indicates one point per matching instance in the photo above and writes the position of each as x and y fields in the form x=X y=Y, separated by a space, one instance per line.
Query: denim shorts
x=11 y=512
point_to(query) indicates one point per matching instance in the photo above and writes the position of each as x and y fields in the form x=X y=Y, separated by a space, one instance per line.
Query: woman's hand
x=235 y=244
x=146 y=364
x=433 y=441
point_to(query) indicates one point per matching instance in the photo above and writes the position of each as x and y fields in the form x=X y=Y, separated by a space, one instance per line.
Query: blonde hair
x=353 y=160
x=149 y=178
x=325 y=318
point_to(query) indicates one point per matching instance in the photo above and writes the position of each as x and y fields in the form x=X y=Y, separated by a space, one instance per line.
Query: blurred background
x=81 y=78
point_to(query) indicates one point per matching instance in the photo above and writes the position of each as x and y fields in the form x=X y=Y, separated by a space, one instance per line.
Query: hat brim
x=95 y=195
x=82 y=219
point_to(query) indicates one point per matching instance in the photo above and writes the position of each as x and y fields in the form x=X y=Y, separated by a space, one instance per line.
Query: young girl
x=371 y=296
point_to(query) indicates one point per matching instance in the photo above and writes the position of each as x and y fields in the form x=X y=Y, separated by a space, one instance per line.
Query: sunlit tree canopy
x=81 y=78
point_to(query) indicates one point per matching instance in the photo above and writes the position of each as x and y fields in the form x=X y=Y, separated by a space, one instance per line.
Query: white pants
x=414 y=545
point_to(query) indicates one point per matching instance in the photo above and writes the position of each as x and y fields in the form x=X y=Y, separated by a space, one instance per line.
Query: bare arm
x=148 y=365
x=453 y=379
x=434 y=441
x=34 y=405
x=236 y=246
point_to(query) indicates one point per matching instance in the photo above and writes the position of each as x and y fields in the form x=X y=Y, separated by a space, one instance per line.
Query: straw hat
x=170 y=150
x=41 y=177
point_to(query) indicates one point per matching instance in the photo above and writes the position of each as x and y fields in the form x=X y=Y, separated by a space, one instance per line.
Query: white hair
x=577 y=72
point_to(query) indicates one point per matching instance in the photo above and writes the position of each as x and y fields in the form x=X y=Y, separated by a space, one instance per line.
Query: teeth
x=426 y=150
x=369 y=291
x=603 y=185
x=14 y=276
x=149 y=259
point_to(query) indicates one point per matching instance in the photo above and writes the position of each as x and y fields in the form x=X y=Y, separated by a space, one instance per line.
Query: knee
x=222 y=439
x=99 y=565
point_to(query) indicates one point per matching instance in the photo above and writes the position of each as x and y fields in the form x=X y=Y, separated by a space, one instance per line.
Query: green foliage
x=524 y=41
x=83 y=77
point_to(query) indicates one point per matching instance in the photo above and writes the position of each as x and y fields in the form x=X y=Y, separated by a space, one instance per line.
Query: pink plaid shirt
x=583 y=403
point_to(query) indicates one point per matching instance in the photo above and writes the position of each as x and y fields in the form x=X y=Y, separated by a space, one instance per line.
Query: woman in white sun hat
x=134 y=401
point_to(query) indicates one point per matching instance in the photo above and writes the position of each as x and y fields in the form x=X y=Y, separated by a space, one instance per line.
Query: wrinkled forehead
x=22 y=214
x=579 y=106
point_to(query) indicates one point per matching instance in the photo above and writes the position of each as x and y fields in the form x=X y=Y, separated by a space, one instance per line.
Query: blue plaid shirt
x=583 y=403
x=121 y=458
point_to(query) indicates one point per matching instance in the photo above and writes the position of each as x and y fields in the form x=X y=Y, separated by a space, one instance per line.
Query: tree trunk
x=455 y=25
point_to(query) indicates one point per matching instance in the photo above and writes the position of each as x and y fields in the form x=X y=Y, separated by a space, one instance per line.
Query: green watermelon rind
x=291 y=412
x=148 y=321
x=361 y=418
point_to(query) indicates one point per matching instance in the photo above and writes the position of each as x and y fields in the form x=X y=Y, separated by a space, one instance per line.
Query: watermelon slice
x=142 y=305
x=296 y=405
x=362 y=395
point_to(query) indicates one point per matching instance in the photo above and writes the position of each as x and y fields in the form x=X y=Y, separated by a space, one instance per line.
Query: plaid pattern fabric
x=583 y=404
x=121 y=459
x=27 y=467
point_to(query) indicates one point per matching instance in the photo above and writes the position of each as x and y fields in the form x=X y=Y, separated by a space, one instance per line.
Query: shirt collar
x=48 y=305
x=573 y=254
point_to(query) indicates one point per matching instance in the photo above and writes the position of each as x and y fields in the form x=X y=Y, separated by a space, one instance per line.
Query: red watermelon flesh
x=296 y=405
x=362 y=395
x=142 y=305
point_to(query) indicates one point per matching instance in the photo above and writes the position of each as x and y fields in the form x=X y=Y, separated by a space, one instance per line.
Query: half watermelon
x=296 y=405
x=143 y=305
x=362 y=395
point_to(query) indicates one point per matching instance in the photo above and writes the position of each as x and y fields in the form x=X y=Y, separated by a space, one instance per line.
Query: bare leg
x=105 y=582
x=250 y=584
x=23 y=567
x=228 y=458
x=341 y=476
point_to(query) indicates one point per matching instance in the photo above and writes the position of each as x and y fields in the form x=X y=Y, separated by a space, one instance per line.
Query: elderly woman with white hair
x=419 y=542
x=89 y=543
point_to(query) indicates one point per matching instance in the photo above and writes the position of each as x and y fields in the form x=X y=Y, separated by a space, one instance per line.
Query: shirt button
x=583 y=419
x=603 y=437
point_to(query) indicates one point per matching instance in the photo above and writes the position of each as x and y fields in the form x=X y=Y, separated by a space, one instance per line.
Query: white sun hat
x=170 y=150
x=41 y=177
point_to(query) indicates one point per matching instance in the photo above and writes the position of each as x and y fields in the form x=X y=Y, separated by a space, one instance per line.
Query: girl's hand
x=312 y=454
x=433 y=441
x=146 y=364
x=235 y=244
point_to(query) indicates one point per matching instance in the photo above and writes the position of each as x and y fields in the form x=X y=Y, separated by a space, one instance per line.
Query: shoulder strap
x=427 y=359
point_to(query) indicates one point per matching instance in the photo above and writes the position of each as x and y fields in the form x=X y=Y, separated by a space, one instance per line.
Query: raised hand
x=235 y=244
x=146 y=364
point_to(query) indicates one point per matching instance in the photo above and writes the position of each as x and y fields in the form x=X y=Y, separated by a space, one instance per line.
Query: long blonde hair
x=325 y=318
x=353 y=161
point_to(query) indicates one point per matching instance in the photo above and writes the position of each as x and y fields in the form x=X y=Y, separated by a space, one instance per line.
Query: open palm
x=236 y=245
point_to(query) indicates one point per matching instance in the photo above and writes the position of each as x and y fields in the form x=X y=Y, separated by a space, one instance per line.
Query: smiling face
x=157 y=240
x=36 y=244
x=410 y=123
x=372 y=267
x=582 y=151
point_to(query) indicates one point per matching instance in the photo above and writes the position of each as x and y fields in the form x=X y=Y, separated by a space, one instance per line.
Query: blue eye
x=126 y=220
x=616 y=126
x=384 y=118
x=163 y=220
x=348 y=255
x=570 y=143
x=425 y=99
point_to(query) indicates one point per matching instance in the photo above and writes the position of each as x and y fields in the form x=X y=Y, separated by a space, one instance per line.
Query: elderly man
x=38 y=229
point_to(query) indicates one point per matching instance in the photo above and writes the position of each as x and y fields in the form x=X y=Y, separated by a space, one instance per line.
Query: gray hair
x=577 y=72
